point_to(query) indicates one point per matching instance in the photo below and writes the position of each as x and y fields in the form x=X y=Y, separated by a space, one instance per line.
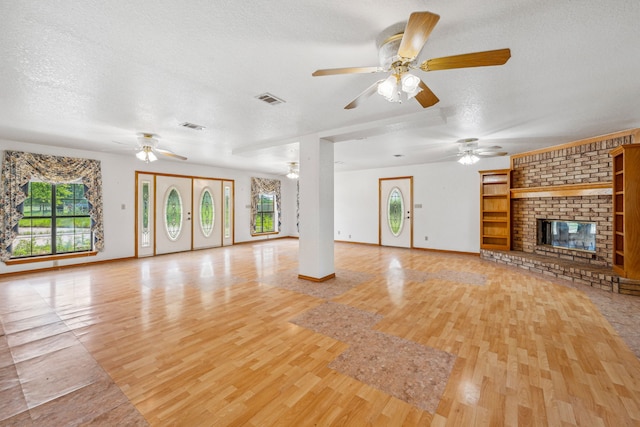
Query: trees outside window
x=265 y=216
x=55 y=221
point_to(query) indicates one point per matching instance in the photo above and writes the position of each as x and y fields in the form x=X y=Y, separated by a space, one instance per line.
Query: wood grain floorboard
x=207 y=338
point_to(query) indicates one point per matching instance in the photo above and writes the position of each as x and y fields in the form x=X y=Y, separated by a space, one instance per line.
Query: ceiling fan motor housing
x=388 y=43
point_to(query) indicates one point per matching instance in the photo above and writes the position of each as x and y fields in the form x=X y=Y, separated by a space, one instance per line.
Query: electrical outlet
x=338 y=232
x=426 y=238
x=349 y=235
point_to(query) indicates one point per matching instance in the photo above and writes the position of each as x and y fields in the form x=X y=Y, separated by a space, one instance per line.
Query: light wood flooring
x=230 y=336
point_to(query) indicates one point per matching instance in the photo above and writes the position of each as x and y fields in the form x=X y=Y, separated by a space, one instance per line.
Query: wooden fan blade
x=363 y=95
x=347 y=70
x=467 y=60
x=416 y=32
x=425 y=97
x=169 y=153
x=490 y=153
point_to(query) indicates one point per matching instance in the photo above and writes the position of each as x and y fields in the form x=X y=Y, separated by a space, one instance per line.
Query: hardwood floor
x=230 y=336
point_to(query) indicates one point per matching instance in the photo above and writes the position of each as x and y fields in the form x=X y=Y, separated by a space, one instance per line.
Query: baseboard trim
x=245 y=242
x=315 y=279
x=64 y=267
x=445 y=251
x=356 y=243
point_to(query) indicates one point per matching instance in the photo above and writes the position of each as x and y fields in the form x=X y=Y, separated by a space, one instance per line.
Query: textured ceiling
x=84 y=74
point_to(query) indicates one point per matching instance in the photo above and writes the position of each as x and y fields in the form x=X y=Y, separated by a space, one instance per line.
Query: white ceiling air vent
x=270 y=99
x=191 y=126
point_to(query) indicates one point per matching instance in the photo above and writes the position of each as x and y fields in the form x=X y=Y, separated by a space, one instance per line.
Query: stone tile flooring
x=412 y=372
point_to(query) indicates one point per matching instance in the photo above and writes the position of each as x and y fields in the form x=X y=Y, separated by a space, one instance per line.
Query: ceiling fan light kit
x=397 y=54
x=146 y=155
x=294 y=171
x=468 y=159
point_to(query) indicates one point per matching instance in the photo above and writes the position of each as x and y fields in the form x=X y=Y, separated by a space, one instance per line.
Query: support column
x=316 y=209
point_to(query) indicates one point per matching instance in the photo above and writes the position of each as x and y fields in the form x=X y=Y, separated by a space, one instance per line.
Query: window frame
x=53 y=217
x=260 y=212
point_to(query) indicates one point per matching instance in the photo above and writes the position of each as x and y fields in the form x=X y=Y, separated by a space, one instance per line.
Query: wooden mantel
x=568 y=190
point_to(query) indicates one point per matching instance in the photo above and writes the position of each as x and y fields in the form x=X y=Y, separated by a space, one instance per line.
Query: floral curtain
x=18 y=168
x=263 y=186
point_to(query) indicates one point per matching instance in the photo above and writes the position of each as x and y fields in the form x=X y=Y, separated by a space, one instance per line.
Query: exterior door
x=395 y=212
x=173 y=224
x=207 y=223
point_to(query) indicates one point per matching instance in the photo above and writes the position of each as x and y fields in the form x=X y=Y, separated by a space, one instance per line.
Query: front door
x=395 y=213
x=207 y=217
x=173 y=210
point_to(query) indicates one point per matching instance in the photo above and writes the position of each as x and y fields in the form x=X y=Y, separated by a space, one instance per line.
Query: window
x=146 y=230
x=395 y=211
x=265 y=217
x=265 y=206
x=44 y=230
x=173 y=213
x=76 y=203
x=207 y=213
x=227 y=211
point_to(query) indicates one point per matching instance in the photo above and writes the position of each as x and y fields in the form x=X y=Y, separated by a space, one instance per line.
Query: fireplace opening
x=574 y=235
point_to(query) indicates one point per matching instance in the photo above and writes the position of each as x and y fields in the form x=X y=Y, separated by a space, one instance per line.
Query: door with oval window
x=207 y=223
x=173 y=214
x=395 y=213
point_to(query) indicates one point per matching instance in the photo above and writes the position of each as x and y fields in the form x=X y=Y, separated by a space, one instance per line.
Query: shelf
x=566 y=190
x=495 y=221
x=626 y=207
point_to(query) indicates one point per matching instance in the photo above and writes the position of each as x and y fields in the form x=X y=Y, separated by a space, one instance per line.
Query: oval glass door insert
x=395 y=211
x=207 y=213
x=173 y=213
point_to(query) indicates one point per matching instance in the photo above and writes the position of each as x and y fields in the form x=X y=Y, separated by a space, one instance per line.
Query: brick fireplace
x=570 y=182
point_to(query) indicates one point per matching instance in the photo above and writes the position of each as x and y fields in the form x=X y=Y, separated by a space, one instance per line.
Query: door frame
x=154 y=175
x=380 y=207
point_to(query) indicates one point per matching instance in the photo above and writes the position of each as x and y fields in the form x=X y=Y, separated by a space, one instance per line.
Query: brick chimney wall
x=586 y=163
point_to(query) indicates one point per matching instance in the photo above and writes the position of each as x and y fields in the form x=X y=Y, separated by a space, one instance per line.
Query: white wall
x=448 y=192
x=118 y=180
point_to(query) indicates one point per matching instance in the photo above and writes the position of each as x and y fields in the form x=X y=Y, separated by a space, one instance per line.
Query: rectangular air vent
x=191 y=126
x=270 y=99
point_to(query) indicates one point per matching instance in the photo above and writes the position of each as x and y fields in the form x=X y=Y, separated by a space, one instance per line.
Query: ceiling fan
x=294 y=170
x=397 y=54
x=148 y=148
x=469 y=152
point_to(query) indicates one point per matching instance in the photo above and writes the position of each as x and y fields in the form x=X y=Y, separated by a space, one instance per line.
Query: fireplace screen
x=567 y=234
